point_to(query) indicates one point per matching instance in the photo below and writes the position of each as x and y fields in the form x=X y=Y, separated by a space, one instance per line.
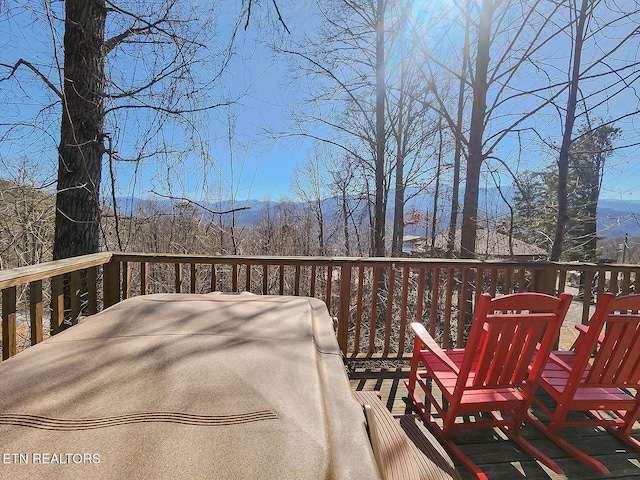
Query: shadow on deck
x=500 y=458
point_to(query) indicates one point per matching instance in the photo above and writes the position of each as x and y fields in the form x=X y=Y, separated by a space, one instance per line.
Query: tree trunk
x=399 y=200
x=81 y=135
x=320 y=219
x=398 y=212
x=591 y=222
x=436 y=193
x=455 y=188
x=563 y=157
x=380 y=210
x=476 y=134
x=345 y=222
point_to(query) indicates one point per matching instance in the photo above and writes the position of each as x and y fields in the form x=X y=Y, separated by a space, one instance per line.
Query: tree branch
x=29 y=65
x=199 y=205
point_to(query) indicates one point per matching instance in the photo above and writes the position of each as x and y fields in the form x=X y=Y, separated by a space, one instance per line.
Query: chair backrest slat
x=604 y=365
x=508 y=361
x=510 y=343
x=617 y=361
x=505 y=334
x=629 y=371
x=528 y=349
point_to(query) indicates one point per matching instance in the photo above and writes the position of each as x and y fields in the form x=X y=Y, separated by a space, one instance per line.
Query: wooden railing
x=372 y=299
x=27 y=284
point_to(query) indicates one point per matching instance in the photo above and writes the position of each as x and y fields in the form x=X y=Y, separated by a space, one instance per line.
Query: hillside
x=616 y=217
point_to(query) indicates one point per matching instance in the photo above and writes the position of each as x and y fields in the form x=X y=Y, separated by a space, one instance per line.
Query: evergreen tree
x=535 y=200
x=587 y=160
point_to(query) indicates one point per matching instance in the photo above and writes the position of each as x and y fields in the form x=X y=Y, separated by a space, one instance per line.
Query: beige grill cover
x=186 y=386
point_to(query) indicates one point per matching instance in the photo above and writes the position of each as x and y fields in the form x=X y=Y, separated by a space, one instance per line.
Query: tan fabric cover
x=186 y=386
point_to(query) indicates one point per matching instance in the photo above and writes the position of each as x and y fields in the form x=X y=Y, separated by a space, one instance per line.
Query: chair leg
x=512 y=430
x=533 y=451
x=629 y=420
x=408 y=406
x=567 y=447
x=420 y=407
x=625 y=437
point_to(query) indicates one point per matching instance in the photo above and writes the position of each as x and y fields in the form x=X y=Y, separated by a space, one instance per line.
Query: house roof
x=489 y=243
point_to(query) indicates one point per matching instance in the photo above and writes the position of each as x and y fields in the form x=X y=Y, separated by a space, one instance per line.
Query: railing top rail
x=22 y=275
x=365 y=261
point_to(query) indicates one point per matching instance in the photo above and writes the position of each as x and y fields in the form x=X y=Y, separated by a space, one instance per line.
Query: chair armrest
x=558 y=361
x=583 y=330
x=427 y=340
x=552 y=357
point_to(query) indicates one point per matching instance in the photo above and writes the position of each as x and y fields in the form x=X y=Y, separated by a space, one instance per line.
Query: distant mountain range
x=616 y=217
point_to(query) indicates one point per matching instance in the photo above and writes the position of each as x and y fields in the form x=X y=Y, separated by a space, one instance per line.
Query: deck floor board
x=500 y=459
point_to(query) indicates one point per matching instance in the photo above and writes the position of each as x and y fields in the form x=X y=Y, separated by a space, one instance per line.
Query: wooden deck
x=500 y=458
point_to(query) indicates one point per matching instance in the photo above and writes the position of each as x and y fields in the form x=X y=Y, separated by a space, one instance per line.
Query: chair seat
x=446 y=380
x=555 y=377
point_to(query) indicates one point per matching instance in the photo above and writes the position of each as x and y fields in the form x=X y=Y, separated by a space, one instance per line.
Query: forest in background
x=396 y=98
x=268 y=228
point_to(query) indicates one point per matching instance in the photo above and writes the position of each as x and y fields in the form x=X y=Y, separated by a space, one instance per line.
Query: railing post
x=327 y=296
x=312 y=285
x=92 y=290
x=178 y=277
x=111 y=283
x=296 y=286
x=345 y=304
x=465 y=305
x=214 y=278
x=234 y=278
x=9 y=322
x=75 y=291
x=247 y=286
x=193 y=278
x=391 y=280
x=281 y=280
x=544 y=280
x=57 y=304
x=126 y=280
x=265 y=279
x=144 y=278
x=35 y=311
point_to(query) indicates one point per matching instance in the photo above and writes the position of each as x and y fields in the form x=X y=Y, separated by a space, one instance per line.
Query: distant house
x=412 y=244
x=489 y=245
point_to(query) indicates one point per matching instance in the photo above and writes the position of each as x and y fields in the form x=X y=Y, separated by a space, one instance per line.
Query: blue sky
x=266 y=166
x=253 y=166
x=250 y=164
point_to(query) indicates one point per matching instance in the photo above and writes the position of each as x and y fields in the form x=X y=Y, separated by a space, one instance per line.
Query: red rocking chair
x=491 y=375
x=581 y=380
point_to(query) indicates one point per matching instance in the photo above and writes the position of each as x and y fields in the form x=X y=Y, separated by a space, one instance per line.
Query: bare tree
x=26 y=215
x=351 y=91
x=518 y=33
x=128 y=67
x=379 y=223
x=308 y=185
x=411 y=124
x=563 y=159
x=344 y=181
x=366 y=98
x=598 y=81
